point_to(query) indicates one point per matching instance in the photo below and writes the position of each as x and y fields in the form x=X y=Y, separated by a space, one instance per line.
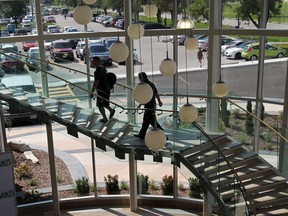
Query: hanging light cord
x=166 y=39
x=186 y=74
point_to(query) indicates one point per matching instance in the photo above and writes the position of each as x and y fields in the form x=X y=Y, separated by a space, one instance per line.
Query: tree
x=117 y=5
x=199 y=9
x=250 y=10
x=249 y=120
x=14 y=9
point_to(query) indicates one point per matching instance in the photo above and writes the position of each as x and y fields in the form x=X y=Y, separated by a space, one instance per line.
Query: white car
x=235 y=52
x=71 y=29
x=231 y=44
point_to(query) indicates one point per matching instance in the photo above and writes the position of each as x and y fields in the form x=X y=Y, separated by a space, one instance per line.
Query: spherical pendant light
x=220 y=89
x=150 y=10
x=135 y=31
x=82 y=14
x=188 y=113
x=155 y=139
x=142 y=93
x=191 y=43
x=119 y=51
x=168 y=67
x=185 y=23
x=89 y=1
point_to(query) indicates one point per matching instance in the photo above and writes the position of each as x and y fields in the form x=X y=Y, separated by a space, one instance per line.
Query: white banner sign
x=7 y=187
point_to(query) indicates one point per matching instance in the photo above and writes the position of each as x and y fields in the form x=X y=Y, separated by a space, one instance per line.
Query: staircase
x=240 y=181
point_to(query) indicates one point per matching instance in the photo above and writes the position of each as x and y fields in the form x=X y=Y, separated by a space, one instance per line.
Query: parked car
x=235 y=52
x=27 y=26
x=50 y=19
x=53 y=31
x=50 y=27
x=32 y=58
x=109 y=41
x=30 y=17
x=251 y=52
x=181 y=38
x=7 y=48
x=79 y=50
x=114 y=20
x=71 y=29
x=107 y=21
x=18 y=32
x=26 y=45
x=203 y=43
x=11 y=27
x=100 y=50
x=47 y=44
x=119 y=24
x=154 y=26
x=26 y=20
x=5 y=33
x=73 y=42
x=230 y=44
x=60 y=49
x=12 y=62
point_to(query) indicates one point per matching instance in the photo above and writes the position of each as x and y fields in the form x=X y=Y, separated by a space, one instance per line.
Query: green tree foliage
x=225 y=113
x=249 y=120
x=117 y=5
x=199 y=9
x=250 y=10
x=14 y=9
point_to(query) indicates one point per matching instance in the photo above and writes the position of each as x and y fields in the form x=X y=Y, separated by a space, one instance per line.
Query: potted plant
x=194 y=187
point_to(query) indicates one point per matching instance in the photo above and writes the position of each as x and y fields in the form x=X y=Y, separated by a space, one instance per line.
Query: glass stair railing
x=239 y=180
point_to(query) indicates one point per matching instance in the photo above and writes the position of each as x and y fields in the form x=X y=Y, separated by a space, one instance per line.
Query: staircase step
x=281 y=210
x=212 y=154
x=205 y=146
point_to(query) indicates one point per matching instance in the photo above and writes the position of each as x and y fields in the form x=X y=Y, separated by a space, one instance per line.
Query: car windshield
x=35 y=55
x=62 y=45
x=110 y=42
x=97 y=49
x=9 y=49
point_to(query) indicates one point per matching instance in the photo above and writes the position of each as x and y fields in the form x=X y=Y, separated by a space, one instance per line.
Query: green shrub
x=124 y=185
x=31 y=196
x=167 y=185
x=24 y=171
x=249 y=120
x=236 y=114
x=33 y=182
x=82 y=185
x=195 y=189
x=142 y=183
x=112 y=184
x=152 y=184
x=224 y=113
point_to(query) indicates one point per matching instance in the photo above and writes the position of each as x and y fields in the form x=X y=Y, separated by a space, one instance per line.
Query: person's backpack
x=112 y=79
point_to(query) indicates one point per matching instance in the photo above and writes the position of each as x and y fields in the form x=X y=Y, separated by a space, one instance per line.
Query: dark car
x=20 y=32
x=154 y=26
x=12 y=62
x=100 y=50
x=61 y=49
x=5 y=33
x=73 y=42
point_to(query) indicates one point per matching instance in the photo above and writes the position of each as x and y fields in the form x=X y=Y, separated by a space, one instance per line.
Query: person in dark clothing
x=103 y=89
x=149 y=117
x=200 y=56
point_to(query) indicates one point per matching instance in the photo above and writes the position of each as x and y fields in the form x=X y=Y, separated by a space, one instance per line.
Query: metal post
x=88 y=68
x=3 y=139
x=260 y=76
x=94 y=167
x=133 y=182
x=52 y=164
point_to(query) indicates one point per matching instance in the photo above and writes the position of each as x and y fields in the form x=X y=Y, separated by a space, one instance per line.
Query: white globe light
x=89 y=1
x=150 y=10
x=135 y=31
x=82 y=14
x=119 y=51
x=188 y=113
x=168 y=67
x=185 y=23
x=220 y=89
x=191 y=43
x=142 y=93
x=155 y=139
